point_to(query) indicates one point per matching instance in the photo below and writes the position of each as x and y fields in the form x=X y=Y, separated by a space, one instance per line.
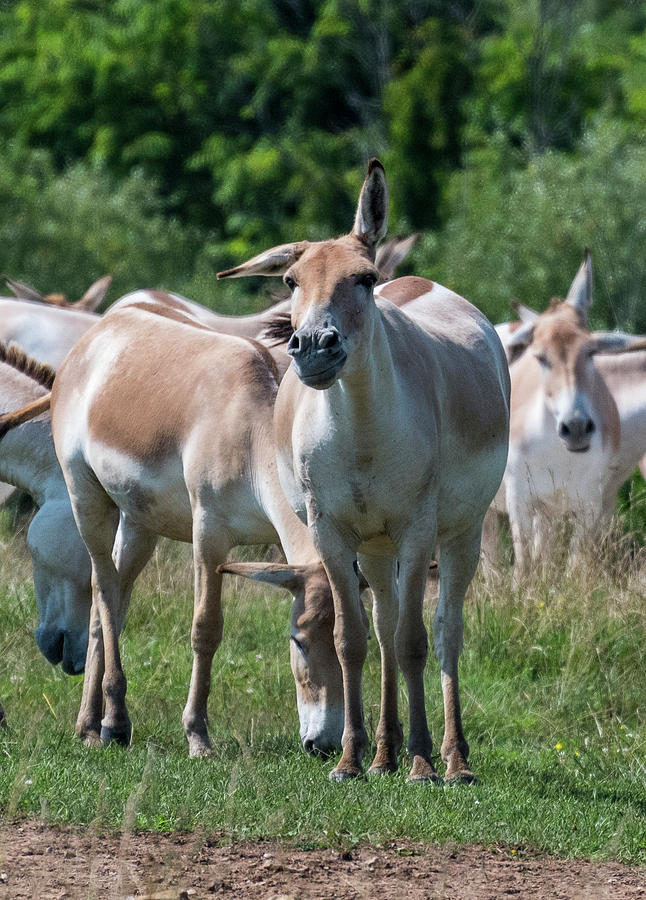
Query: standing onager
x=566 y=452
x=391 y=433
x=60 y=560
x=163 y=426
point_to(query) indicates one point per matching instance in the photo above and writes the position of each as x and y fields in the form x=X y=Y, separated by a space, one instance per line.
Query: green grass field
x=554 y=703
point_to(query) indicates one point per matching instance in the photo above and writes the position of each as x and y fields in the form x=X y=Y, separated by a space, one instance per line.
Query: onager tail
x=13 y=419
x=14 y=356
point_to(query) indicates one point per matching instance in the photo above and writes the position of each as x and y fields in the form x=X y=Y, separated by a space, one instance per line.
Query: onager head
x=62 y=586
x=315 y=666
x=331 y=283
x=559 y=340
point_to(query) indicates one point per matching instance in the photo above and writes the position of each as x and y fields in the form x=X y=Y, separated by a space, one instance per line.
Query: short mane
x=279 y=329
x=15 y=356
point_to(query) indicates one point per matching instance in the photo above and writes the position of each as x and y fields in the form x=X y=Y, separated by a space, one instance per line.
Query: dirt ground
x=37 y=861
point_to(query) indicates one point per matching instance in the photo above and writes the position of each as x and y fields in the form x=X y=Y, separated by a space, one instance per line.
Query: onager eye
x=544 y=361
x=289 y=281
x=367 y=280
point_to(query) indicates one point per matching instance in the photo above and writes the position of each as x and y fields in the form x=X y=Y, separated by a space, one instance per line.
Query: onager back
x=164 y=427
x=391 y=432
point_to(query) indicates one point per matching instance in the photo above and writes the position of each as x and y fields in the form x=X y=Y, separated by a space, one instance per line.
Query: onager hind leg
x=380 y=573
x=133 y=548
x=458 y=562
x=95 y=515
x=206 y=631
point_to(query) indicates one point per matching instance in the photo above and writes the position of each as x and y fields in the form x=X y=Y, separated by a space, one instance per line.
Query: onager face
x=333 y=309
x=564 y=351
x=332 y=288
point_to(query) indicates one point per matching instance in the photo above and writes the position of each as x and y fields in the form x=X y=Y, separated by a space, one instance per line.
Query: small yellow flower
x=561 y=600
x=558 y=747
x=513 y=851
x=576 y=753
x=541 y=604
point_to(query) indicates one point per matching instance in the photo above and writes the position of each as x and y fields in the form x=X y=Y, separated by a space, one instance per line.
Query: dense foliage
x=164 y=140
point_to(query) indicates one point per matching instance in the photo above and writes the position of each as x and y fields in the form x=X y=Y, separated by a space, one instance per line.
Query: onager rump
x=391 y=431
x=165 y=427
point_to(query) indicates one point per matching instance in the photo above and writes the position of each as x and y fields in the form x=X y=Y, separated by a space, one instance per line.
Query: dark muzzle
x=317 y=355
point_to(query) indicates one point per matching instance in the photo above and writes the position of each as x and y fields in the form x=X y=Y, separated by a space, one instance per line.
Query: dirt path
x=37 y=861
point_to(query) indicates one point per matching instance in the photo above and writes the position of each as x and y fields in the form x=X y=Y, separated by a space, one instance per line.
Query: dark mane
x=278 y=330
x=15 y=356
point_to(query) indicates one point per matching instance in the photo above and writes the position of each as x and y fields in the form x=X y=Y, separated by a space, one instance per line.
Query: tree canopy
x=162 y=140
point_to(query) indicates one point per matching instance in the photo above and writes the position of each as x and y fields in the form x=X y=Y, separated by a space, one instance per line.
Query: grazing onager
x=60 y=560
x=566 y=453
x=164 y=427
x=391 y=434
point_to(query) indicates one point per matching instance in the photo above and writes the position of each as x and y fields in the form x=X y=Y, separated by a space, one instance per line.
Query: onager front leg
x=206 y=634
x=412 y=650
x=458 y=562
x=350 y=641
x=380 y=573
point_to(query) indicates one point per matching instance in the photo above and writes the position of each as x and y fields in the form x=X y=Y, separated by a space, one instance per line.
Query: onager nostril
x=329 y=339
x=590 y=427
x=294 y=344
x=564 y=431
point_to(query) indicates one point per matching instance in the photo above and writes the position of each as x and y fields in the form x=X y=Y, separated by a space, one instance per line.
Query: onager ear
x=95 y=294
x=616 y=342
x=279 y=574
x=391 y=254
x=371 y=219
x=580 y=294
x=522 y=337
x=275 y=261
x=24 y=291
x=525 y=313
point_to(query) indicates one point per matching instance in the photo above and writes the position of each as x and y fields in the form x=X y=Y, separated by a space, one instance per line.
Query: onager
x=60 y=560
x=164 y=427
x=391 y=434
x=567 y=455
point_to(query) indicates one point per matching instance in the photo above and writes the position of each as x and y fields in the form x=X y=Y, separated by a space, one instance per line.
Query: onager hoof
x=345 y=774
x=384 y=763
x=92 y=739
x=457 y=769
x=389 y=769
x=198 y=747
x=119 y=735
x=422 y=772
x=464 y=776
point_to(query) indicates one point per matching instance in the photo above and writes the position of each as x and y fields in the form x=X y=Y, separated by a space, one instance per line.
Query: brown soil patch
x=37 y=861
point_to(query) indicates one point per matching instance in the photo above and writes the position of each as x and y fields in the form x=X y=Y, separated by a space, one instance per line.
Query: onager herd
x=363 y=426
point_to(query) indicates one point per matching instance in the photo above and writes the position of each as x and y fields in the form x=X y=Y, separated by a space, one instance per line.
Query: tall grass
x=553 y=679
